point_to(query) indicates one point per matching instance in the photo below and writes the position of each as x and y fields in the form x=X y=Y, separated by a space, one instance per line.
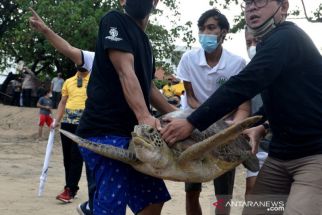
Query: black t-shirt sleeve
x=267 y=65
x=154 y=70
x=114 y=34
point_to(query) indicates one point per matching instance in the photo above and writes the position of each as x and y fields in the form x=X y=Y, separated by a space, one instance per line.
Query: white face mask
x=251 y=51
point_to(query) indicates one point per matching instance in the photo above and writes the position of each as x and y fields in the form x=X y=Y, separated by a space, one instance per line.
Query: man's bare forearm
x=55 y=40
x=242 y=112
x=159 y=102
x=134 y=95
x=61 y=109
x=191 y=98
x=63 y=47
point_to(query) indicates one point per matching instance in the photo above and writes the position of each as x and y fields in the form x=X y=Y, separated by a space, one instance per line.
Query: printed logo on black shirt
x=113 y=35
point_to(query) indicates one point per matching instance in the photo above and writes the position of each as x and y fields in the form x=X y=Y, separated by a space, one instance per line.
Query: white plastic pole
x=44 y=173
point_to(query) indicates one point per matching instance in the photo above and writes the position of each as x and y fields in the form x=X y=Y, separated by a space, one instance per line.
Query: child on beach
x=45 y=105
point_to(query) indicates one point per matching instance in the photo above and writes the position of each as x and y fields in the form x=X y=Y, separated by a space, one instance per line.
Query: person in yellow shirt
x=173 y=88
x=69 y=112
x=167 y=90
x=178 y=89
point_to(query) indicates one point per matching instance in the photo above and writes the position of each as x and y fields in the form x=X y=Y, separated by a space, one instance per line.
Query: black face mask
x=138 y=9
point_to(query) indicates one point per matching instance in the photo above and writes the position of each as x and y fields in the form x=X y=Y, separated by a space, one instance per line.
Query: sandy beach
x=22 y=157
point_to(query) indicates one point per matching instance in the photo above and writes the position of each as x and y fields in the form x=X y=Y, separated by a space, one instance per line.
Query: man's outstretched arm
x=55 y=40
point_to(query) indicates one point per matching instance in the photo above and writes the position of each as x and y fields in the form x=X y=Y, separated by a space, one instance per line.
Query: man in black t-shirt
x=120 y=92
x=287 y=71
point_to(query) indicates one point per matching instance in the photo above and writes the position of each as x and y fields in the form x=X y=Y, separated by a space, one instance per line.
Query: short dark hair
x=46 y=92
x=215 y=13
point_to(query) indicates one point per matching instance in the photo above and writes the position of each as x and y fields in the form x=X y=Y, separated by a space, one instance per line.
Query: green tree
x=317 y=14
x=77 y=22
x=7 y=20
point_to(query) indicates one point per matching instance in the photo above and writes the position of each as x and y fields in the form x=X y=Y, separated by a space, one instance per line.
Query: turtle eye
x=150 y=130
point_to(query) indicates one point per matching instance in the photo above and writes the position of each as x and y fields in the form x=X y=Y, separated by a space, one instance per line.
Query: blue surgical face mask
x=209 y=42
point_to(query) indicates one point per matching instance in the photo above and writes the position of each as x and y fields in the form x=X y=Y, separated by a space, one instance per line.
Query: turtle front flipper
x=109 y=151
x=226 y=136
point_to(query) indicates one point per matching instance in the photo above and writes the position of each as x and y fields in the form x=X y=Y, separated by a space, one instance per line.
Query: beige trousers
x=298 y=182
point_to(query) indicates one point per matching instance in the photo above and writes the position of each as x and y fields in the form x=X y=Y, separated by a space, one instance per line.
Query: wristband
x=266 y=127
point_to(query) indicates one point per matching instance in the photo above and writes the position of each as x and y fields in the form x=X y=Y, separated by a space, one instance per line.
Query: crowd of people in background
x=25 y=89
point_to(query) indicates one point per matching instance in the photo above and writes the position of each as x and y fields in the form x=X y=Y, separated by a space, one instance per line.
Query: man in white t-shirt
x=29 y=84
x=56 y=86
x=203 y=71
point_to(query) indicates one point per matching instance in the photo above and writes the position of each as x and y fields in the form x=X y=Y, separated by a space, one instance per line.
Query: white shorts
x=261 y=157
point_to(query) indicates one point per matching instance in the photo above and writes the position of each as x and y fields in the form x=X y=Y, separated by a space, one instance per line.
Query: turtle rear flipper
x=252 y=163
x=109 y=151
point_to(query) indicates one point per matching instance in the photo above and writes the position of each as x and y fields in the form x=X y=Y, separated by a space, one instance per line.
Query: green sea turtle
x=202 y=157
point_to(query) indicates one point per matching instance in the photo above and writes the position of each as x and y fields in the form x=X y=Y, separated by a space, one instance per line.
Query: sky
x=192 y=9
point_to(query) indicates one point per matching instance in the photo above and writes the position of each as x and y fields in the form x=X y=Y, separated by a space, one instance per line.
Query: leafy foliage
x=7 y=8
x=77 y=22
x=160 y=83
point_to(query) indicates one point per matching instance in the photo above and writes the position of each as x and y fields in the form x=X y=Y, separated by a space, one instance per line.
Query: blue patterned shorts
x=118 y=184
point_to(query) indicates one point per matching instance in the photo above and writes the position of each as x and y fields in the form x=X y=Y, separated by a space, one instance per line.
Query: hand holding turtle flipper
x=255 y=134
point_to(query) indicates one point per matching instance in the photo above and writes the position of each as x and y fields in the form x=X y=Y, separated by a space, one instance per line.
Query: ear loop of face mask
x=222 y=37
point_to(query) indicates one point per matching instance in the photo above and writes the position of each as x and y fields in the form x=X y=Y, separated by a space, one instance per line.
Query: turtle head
x=149 y=146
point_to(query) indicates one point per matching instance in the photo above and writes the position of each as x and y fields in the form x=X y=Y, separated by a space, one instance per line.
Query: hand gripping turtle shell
x=200 y=158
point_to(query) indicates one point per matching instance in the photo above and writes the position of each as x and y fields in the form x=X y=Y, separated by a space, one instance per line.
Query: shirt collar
x=203 y=62
x=85 y=78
